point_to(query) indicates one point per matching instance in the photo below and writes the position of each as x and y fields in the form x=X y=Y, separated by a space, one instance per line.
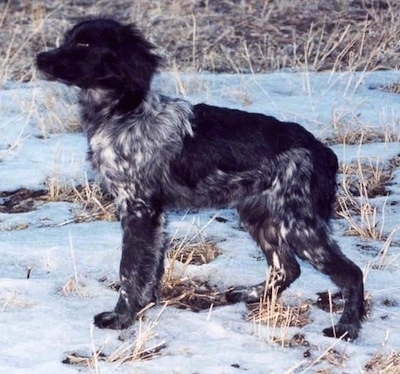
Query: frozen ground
x=40 y=323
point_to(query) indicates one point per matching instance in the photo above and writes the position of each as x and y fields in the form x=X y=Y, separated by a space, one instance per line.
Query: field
x=232 y=36
x=329 y=65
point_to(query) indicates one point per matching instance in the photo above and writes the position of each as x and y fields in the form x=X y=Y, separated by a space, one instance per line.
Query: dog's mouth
x=46 y=75
x=48 y=71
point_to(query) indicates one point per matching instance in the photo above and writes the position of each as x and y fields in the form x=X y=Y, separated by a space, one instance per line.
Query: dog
x=154 y=153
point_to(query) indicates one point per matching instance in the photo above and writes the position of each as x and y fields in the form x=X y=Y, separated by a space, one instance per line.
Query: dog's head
x=102 y=53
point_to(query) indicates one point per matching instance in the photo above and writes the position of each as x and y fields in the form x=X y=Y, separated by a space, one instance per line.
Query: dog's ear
x=138 y=62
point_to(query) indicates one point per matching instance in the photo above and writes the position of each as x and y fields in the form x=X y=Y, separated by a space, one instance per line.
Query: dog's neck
x=155 y=113
x=101 y=104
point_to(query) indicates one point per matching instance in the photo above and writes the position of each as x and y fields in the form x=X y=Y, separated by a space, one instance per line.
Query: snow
x=40 y=322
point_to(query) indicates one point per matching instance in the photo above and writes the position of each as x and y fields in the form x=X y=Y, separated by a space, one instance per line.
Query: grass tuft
x=362 y=182
x=385 y=364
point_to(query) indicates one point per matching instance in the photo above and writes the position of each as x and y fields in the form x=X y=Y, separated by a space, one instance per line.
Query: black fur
x=154 y=153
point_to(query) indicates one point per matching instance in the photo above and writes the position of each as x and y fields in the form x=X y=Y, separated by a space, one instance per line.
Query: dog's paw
x=113 y=320
x=235 y=296
x=244 y=294
x=346 y=332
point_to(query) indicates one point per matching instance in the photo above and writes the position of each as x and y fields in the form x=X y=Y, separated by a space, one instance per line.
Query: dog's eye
x=82 y=45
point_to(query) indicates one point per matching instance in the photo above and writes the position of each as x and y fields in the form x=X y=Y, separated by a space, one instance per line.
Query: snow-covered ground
x=40 y=323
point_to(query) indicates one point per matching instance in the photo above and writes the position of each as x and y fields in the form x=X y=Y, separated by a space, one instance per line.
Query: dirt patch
x=393 y=88
x=20 y=201
x=94 y=203
x=192 y=294
x=330 y=302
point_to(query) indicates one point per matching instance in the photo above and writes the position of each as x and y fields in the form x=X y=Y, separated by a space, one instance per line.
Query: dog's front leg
x=142 y=263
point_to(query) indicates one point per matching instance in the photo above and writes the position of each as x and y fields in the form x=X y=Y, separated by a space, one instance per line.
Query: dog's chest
x=132 y=154
x=123 y=160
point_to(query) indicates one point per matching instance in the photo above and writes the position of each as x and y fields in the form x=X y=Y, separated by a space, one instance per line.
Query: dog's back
x=247 y=147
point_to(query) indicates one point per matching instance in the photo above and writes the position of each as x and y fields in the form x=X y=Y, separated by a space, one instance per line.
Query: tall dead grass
x=362 y=181
x=223 y=36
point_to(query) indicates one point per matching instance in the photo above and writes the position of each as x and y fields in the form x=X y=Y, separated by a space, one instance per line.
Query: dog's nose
x=45 y=64
x=41 y=59
x=44 y=60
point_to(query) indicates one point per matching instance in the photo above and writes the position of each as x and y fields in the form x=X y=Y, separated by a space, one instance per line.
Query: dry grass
x=13 y=300
x=141 y=348
x=384 y=364
x=185 y=292
x=393 y=87
x=383 y=260
x=92 y=203
x=271 y=312
x=345 y=133
x=362 y=181
x=279 y=317
x=330 y=356
x=197 y=253
x=191 y=294
x=125 y=353
x=223 y=36
x=190 y=248
x=54 y=113
x=178 y=289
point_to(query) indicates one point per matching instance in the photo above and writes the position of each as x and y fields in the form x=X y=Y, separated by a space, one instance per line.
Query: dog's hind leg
x=142 y=264
x=314 y=245
x=283 y=267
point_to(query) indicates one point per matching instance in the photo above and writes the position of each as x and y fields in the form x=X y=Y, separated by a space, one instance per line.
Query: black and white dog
x=154 y=153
